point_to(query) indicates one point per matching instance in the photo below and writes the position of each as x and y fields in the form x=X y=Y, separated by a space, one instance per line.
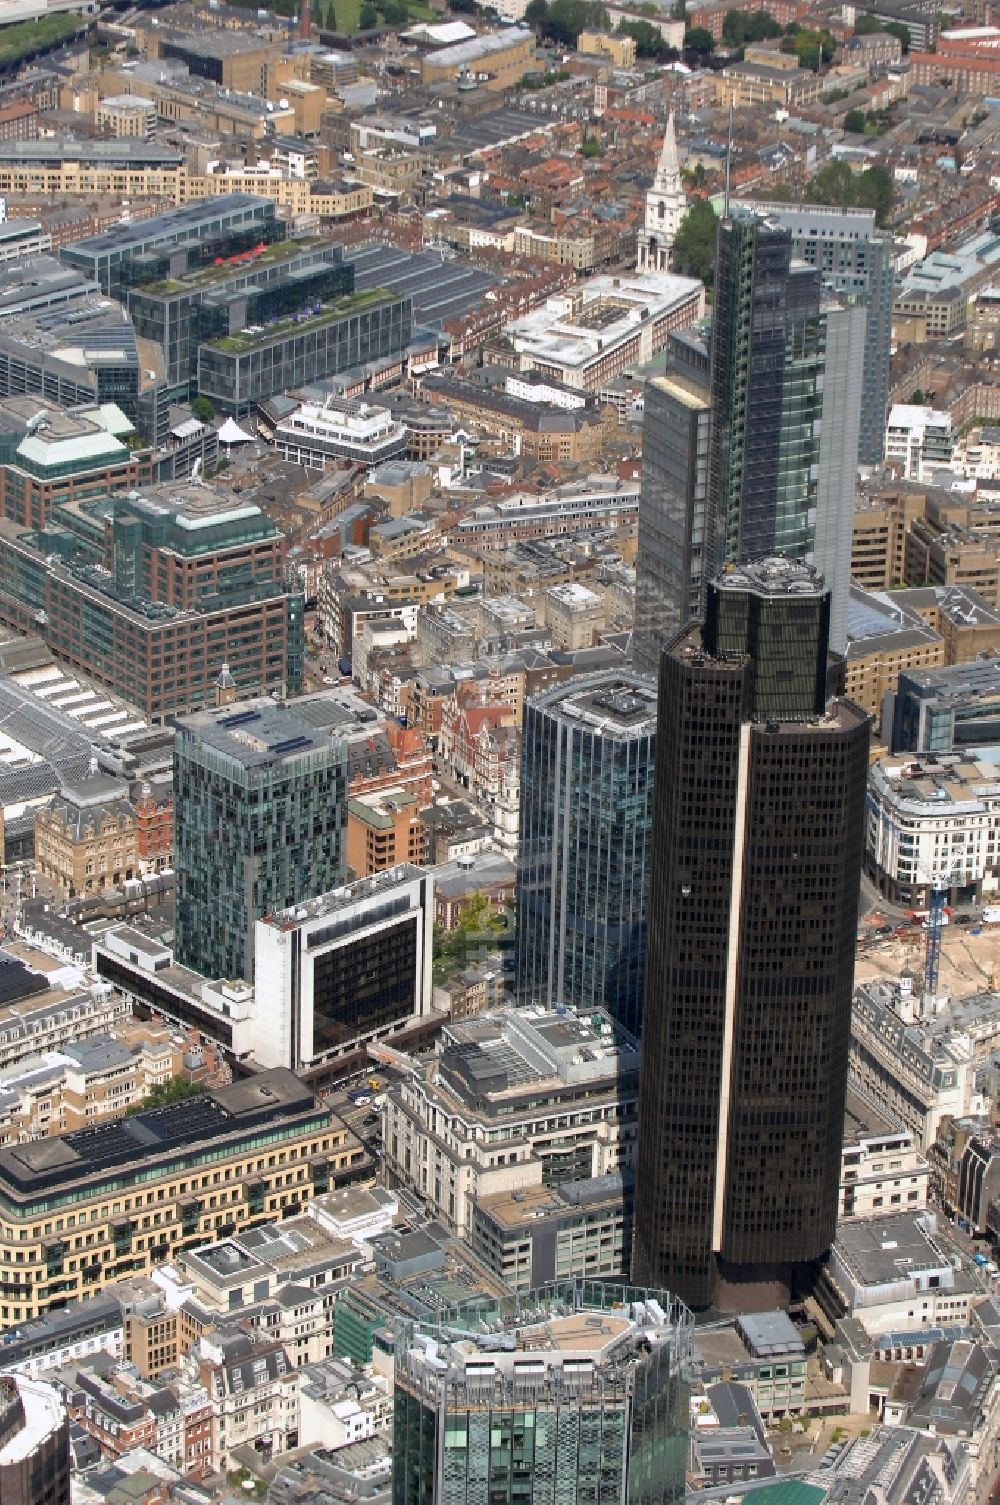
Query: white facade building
x=918 y=441
x=318 y=435
x=666 y=206
x=933 y=819
x=512 y=1095
x=344 y=968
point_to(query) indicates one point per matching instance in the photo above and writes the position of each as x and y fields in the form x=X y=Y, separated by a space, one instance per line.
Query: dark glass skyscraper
x=587 y=758
x=783 y=392
x=757 y=848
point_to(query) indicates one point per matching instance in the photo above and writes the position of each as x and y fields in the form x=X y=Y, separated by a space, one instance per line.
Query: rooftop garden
x=222 y=270
x=337 y=308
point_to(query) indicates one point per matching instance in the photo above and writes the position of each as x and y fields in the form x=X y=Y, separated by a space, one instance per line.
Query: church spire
x=665 y=207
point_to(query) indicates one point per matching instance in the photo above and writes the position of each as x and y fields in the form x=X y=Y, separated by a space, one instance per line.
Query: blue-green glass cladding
x=534 y=1425
x=587 y=769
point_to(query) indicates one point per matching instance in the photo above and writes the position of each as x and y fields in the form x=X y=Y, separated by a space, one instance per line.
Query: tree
x=917 y=398
x=810 y=47
x=699 y=39
x=591 y=147
x=562 y=21
x=865 y=25
x=202 y=409
x=854 y=121
x=648 y=39
x=739 y=28
x=367 y=17
x=175 y=1091
x=693 y=252
x=837 y=185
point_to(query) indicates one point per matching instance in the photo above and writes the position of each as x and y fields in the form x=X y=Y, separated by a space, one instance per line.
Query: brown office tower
x=758 y=831
x=34 y=1443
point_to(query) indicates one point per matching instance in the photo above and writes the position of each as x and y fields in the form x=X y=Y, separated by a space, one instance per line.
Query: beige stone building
x=83 y=1083
x=574 y=615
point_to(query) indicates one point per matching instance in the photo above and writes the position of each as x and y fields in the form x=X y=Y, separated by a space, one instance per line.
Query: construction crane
x=935 y=924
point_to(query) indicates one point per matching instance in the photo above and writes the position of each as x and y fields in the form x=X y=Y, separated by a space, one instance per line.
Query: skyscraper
x=784 y=392
x=575 y=1391
x=260 y=804
x=854 y=260
x=670 y=562
x=757 y=848
x=587 y=757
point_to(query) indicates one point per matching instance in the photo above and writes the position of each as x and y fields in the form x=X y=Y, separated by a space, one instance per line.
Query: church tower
x=665 y=208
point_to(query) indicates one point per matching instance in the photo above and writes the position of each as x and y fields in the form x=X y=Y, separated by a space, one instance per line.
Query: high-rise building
x=670 y=563
x=784 y=389
x=574 y=1391
x=149 y=595
x=587 y=758
x=260 y=800
x=854 y=260
x=757 y=847
x=343 y=968
x=34 y=1443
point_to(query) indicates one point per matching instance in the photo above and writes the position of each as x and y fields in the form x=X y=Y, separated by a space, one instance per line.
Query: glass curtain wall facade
x=587 y=765
x=854 y=259
x=675 y=444
x=238 y=371
x=780 y=402
x=540 y=1427
x=758 y=838
x=252 y=835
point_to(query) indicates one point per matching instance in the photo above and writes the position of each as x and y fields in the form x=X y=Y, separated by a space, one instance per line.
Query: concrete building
x=882 y=1168
x=384 y=829
x=918 y=1067
x=574 y=616
x=96 y=833
x=50 y=456
x=319 y=435
x=947 y=709
x=513 y=1100
x=892 y=1274
x=930 y=819
x=68 y=1195
x=587 y=335
x=34 y=1443
x=578 y=1229
x=918 y=441
x=347 y=967
x=260 y=806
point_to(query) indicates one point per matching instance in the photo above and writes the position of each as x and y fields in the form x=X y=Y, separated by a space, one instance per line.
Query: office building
x=52 y=455
x=671 y=558
x=252 y=287
x=934 y=819
x=514 y=1099
x=349 y=966
x=533 y=1235
x=34 y=1443
x=151 y=595
x=319 y=435
x=587 y=766
x=588 y=334
x=260 y=799
x=576 y=1391
x=84 y=353
x=757 y=846
x=854 y=260
x=947 y=709
x=784 y=387
x=238 y=370
x=172 y=243
x=83 y=1209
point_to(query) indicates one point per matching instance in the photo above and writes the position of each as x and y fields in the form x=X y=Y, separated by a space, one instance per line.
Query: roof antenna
x=729 y=157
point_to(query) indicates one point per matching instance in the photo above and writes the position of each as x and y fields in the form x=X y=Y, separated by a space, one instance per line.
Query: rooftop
x=607 y=705
x=252 y=733
x=173 y=225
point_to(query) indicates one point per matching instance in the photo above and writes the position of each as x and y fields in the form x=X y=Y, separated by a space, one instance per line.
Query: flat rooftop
x=173 y=225
x=36 y=1168
x=253 y=733
x=607 y=705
